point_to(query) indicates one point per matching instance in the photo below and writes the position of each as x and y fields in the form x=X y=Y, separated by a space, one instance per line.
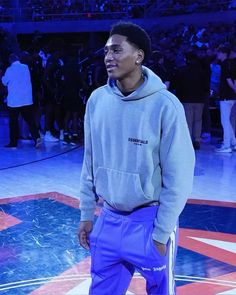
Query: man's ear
x=140 y=57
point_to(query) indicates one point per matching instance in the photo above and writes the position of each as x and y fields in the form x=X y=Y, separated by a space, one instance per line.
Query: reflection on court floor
x=40 y=253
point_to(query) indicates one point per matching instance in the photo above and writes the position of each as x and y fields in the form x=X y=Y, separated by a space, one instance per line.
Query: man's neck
x=130 y=85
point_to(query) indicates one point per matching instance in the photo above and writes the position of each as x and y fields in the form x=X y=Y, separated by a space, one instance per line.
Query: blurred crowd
x=40 y=10
x=62 y=80
x=44 y=10
x=175 y=7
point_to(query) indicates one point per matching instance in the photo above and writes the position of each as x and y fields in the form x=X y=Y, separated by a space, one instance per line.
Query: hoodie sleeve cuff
x=159 y=236
x=87 y=215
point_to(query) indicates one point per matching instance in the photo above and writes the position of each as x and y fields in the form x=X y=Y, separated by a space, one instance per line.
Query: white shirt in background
x=18 y=82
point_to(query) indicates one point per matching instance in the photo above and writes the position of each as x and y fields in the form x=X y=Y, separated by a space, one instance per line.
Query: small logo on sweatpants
x=159 y=268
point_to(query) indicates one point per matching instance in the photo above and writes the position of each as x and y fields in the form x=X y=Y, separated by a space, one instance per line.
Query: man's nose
x=109 y=55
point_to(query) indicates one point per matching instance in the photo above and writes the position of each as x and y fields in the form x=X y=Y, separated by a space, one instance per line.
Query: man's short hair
x=13 y=57
x=135 y=35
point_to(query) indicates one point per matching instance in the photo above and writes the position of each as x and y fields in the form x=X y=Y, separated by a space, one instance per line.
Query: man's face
x=121 y=57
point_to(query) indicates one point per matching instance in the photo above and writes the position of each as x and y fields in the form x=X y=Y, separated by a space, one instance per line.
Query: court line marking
x=37 y=281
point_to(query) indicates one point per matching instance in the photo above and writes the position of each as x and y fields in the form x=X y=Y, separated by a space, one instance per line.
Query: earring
x=137 y=62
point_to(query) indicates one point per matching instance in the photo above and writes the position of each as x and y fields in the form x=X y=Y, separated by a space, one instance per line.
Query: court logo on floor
x=40 y=253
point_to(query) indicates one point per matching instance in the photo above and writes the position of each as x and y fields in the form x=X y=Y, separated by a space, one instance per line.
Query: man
x=159 y=67
x=53 y=89
x=192 y=89
x=19 y=100
x=139 y=159
x=227 y=99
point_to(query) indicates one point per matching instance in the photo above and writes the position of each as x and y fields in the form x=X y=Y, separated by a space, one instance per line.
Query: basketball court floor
x=39 y=217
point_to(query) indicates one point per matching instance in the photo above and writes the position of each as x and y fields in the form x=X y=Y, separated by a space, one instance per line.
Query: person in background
x=232 y=57
x=160 y=69
x=72 y=104
x=227 y=98
x=53 y=89
x=19 y=100
x=192 y=88
x=139 y=159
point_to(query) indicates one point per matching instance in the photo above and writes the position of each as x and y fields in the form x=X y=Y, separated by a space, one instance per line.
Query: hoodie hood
x=152 y=84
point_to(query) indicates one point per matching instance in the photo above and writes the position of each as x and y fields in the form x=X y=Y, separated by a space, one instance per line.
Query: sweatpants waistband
x=142 y=214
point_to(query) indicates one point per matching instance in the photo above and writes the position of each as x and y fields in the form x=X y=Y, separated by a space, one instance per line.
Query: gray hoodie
x=137 y=150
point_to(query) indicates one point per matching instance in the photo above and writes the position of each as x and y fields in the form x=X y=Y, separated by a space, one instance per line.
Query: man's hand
x=161 y=248
x=85 y=229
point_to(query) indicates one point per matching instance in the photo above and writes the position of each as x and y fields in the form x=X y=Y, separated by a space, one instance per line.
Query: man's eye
x=117 y=50
x=112 y=51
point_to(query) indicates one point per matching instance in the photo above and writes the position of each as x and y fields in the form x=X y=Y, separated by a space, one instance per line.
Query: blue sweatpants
x=122 y=243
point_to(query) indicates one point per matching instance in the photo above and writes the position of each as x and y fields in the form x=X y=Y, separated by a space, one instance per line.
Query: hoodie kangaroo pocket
x=121 y=190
